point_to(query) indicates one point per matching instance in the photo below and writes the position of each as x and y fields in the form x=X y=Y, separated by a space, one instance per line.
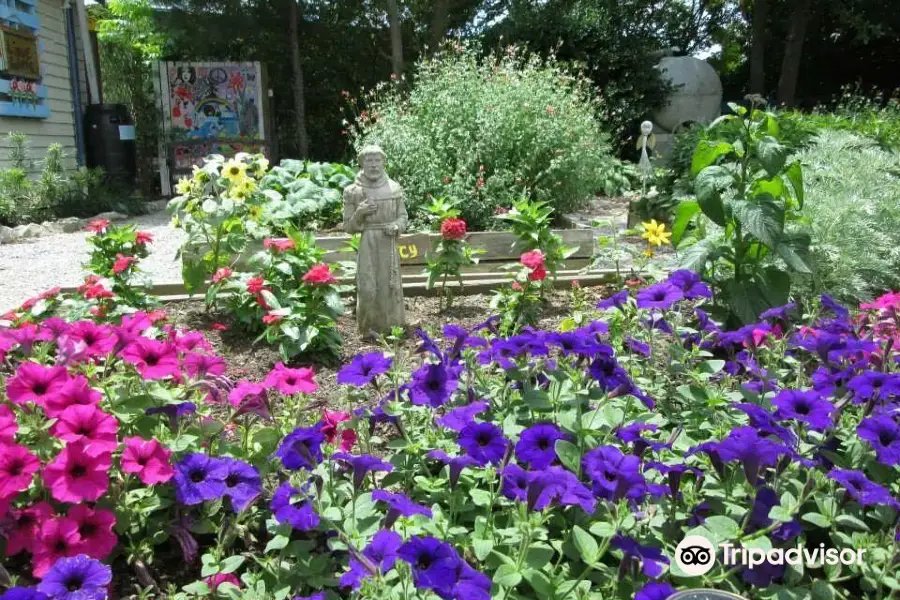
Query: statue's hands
x=391 y=229
x=366 y=209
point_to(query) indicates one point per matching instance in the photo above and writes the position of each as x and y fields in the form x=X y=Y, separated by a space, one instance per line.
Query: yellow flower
x=183 y=186
x=649 y=252
x=655 y=233
x=234 y=171
x=262 y=165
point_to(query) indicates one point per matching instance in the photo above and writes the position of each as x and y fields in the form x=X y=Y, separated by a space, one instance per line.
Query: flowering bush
x=530 y=222
x=451 y=252
x=289 y=297
x=547 y=464
x=116 y=252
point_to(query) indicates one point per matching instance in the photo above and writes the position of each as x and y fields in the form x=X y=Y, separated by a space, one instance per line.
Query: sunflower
x=184 y=186
x=655 y=233
x=262 y=165
x=234 y=171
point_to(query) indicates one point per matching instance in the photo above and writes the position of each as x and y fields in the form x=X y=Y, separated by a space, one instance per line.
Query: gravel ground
x=32 y=266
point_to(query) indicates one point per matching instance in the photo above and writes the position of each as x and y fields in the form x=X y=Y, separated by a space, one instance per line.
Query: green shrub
x=866 y=115
x=487 y=132
x=853 y=209
x=310 y=194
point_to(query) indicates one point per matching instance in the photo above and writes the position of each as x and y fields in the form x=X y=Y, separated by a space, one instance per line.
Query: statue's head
x=372 y=160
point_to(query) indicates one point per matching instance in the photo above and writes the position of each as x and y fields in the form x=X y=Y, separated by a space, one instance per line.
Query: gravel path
x=32 y=266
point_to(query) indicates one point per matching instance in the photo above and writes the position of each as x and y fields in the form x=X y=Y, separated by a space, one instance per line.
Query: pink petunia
x=57 y=538
x=291 y=381
x=189 y=341
x=35 y=383
x=214 y=581
x=203 y=365
x=8 y=425
x=98 y=340
x=148 y=459
x=123 y=263
x=248 y=397
x=52 y=329
x=153 y=359
x=142 y=238
x=136 y=323
x=76 y=476
x=76 y=392
x=17 y=468
x=23 y=527
x=24 y=336
x=329 y=427
x=95 y=530
x=90 y=425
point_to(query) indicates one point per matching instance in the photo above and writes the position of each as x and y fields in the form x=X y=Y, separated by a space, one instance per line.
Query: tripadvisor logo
x=695 y=555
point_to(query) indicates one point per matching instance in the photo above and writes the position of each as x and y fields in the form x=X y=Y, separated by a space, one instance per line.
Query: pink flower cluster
x=248 y=397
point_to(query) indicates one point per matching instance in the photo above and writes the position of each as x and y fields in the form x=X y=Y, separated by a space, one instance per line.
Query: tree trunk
x=439 y=23
x=793 y=52
x=299 y=93
x=396 y=37
x=758 y=47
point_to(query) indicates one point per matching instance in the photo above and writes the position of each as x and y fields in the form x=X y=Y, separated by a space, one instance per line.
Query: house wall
x=59 y=127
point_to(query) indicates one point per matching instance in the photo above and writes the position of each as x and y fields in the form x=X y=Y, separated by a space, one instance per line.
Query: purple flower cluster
x=200 y=478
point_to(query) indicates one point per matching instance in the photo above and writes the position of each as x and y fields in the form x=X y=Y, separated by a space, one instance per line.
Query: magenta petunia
x=76 y=476
x=250 y=398
x=21 y=529
x=199 y=366
x=35 y=383
x=8 y=425
x=88 y=424
x=57 y=538
x=291 y=381
x=153 y=359
x=95 y=530
x=17 y=468
x=191 y=341
x=97 y=340
x=76 y=392
x=148 y=459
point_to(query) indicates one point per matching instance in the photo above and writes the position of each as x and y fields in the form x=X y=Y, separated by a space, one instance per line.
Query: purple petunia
x=875 y=386
x=863 y=490
x=461 y=416
x=76 y=578
x=764 y=422
x=294 y=507
x=655 y=591
x=617 y=300
x=199 y=478
x=830 y=304
x=515 y=482
x=759 y=517
x=883 y=434
x=659 y=295
x=637 y=346
x=434 y=563
x=432 y=385
x=745 y=445
x=653 y=562
x=536 y=447
x=21 y=593
x=609 y=375
x=456 y=464
x=302 y=448
x=484 y=442
x=362 y=465
x=614 y=475
x=806 y=406
x=400 y=506
x=778 y=313
x=690 y=284
x=555 y=484
x=243 y=483
x=364 y=368
x=674 y=473
x=379 y=556
x=575 y=343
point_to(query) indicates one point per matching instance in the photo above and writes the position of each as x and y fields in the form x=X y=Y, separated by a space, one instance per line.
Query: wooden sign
x=20 y=51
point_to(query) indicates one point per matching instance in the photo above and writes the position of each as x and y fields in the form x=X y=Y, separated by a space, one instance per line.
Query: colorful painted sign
x=20 y=51
x=214 y=101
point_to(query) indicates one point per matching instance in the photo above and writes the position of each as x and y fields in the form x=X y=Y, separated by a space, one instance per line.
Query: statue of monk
x=373 y=206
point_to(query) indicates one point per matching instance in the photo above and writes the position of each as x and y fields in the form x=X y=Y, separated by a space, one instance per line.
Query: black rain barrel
x=110 y=141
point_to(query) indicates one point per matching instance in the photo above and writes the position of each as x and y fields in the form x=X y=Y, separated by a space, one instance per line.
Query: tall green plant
x=746 y=194
x=530 y=222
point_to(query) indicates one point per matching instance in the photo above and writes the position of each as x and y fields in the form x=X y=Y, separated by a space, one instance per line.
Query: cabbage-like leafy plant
x=310 y=194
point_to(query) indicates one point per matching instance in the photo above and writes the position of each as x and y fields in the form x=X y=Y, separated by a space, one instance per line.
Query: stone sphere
x=697 y=97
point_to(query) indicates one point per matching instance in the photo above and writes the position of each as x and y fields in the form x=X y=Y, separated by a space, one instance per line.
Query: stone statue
x=373 y=206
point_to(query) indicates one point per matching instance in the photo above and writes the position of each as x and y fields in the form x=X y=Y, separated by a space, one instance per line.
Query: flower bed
x=548 y=464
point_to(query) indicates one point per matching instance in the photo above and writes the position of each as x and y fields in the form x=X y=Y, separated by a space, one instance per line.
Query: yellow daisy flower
x=655 y=233
x=262 y=165
x=234 y=171
x=183 y=186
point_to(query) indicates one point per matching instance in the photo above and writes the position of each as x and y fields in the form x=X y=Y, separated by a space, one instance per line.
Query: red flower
x=222 y=273
x=219 y=327
x=143 y=237
x=157 y=315
x=447 y=180
x=576 y=284
x=51 y=293
x=453 y=229
x=538 y=274
x=319 y=274
x=279 y=245
x=261 y=300
x=97 y=291
x=271 y=319
x=123 y=263
x=516 y=286
x=533 y=259
x=329 y=427
x=256 y=284
x=98 y=225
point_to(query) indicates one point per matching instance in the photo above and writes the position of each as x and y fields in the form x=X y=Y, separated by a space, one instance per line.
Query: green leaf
x=822 y=590
x=771 y=155
x=538 y=556
x=198 y=588
x=193 y=275
x=507 y=576
x=536 y=399
x=569 y=454
x=482 y=548
x=781 y=514
x=683 y=215
x=706 y=154
x=775 y=286
x=794 y=251
x=603 y=529
x=586 y=545
x=722 y=527
x=231 y=564
x=540 y=582
x=764 y=220
x=708 y=187
x=695 y=256
x=480 y=497
x=817 y=519
x=277 y=543
x=851 y=522
x=795 y=176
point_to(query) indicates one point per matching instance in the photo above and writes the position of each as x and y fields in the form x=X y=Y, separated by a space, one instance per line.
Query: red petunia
x=219 y=327
x=143 y=237
x=76 y=476
x=453 y=229
x=271 y=319
x=279 y=244
x=221 y=273
x=319 y=274
x=148 y=459
x=532 y=259
x=538 y=274
x=329 y=427
x=256 y=284
x=98 y=225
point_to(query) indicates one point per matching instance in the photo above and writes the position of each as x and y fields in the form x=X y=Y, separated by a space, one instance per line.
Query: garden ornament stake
x=374 y=207
x=647 y=140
